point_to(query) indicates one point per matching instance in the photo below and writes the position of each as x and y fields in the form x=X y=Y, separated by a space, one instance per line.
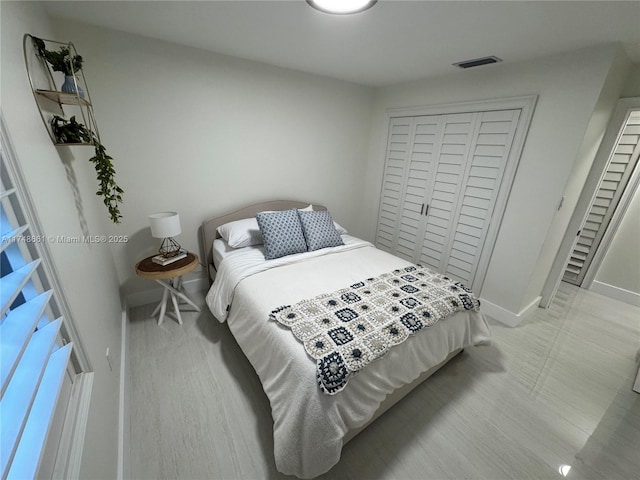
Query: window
x=39 y=364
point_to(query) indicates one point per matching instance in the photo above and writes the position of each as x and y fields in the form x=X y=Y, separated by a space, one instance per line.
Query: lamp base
x=169 y=248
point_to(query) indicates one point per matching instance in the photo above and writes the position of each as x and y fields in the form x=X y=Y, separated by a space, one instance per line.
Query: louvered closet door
x=612 y=185
x=442 y=178
x=394 y=182
x=488 y=154
x=449 y=169
x=426 y=141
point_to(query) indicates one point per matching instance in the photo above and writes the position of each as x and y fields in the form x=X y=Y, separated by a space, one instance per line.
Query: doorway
x=609 y=189
x=614 y=181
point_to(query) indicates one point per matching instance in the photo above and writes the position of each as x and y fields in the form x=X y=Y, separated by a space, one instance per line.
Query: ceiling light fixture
x=341 y=7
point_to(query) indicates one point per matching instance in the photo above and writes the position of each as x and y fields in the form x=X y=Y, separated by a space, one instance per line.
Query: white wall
x=202 y=133
x=568 y=86
x=62 y=183
x=632 y=86
x=620 y=267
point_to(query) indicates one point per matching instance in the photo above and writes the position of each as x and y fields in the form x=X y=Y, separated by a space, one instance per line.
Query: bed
x=311 y=426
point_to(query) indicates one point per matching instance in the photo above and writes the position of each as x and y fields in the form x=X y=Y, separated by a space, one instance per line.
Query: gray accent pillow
x=319 y=230
x=282 y=233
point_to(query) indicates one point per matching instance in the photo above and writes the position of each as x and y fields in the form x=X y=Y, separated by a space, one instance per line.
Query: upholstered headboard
x=209 y=228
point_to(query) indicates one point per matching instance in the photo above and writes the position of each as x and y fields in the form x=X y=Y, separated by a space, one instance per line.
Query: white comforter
x=309 y=426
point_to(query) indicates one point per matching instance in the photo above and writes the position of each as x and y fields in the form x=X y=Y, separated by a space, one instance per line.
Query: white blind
x=33 y=355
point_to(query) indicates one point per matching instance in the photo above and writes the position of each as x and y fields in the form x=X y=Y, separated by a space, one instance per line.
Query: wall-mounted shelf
x=63 y=98
x=83 y=144
x=46 y=86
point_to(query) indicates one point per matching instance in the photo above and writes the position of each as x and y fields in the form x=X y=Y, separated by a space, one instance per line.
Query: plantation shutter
x=442 y=180
x=394 y=182
x=33 y=356
x=489 y=152
x=427 y=135
x=444 y=194
x=610 y=189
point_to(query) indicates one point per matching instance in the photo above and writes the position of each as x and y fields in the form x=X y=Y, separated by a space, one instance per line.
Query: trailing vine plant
x=71 y=132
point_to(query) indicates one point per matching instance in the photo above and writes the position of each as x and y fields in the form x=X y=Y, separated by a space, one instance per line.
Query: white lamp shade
x=165 y=224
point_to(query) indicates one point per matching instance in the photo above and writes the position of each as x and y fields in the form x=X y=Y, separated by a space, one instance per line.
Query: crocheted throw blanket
x=345 y=330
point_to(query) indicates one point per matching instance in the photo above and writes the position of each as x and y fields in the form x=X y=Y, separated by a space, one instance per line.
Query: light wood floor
x=554 y=391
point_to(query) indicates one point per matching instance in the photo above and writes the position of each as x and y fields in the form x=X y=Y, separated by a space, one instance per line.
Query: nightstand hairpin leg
x=176 y=307
x=174 y=288
x=161 y=306
x=179 y=291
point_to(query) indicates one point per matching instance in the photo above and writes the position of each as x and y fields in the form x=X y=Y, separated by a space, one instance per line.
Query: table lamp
x=166 y=225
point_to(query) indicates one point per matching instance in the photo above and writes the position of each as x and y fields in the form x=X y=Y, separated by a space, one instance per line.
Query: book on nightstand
x=164 y=261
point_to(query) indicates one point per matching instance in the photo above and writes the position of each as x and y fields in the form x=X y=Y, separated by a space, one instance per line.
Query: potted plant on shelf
x=70 y=132
x=63 y=61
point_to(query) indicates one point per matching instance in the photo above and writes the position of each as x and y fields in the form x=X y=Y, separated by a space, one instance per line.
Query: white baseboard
x=506 y=316
x=617 y=293
x=123 y=420
x=145 y=297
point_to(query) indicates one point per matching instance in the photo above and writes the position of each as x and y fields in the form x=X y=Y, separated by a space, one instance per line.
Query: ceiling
x=395 y=41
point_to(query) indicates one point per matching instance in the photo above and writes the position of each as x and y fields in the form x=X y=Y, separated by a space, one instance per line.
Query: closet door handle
x=421 y=209
x=426 y=211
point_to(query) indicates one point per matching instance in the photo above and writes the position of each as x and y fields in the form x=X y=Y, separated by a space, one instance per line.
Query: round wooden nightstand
x=170 y=277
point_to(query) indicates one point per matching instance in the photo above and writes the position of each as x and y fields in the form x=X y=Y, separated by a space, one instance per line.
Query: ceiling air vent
x=476 y=62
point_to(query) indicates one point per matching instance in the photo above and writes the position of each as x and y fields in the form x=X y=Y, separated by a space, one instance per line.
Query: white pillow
x=241 y=233
x=341 y=230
